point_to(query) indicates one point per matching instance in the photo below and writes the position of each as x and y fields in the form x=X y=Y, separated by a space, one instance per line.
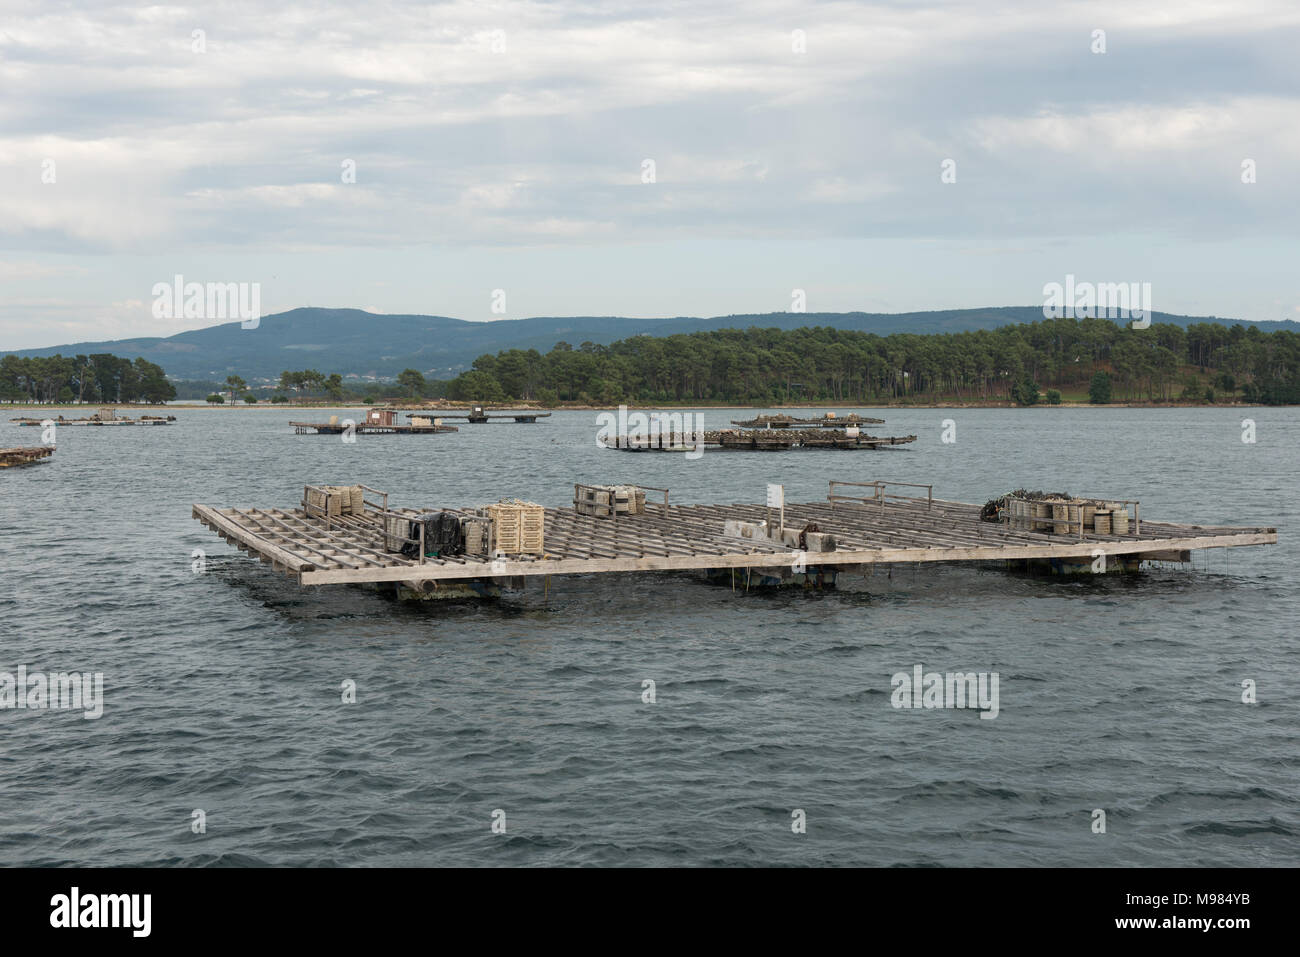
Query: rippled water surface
x=222 y=689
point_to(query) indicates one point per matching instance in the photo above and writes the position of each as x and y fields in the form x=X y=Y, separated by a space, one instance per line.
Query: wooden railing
x=374 y=512
x=664 y=506
x=880 y=493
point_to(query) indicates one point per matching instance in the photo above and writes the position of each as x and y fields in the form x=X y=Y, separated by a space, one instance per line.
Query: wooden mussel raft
x=104 y=417
x=479 y=415
x=827 y=421
x=767 y=433
x=754 y=440
x=27 y=455
x=860 y=525
x=819 y=438
x=376 y=421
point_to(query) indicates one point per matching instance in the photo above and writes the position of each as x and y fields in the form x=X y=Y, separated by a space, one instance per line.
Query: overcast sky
x=502 y=145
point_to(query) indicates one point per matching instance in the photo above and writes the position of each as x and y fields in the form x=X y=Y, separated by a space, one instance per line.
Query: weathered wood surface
x=754 y=439
x=24 y=455
x=338 y=428
x=98 y=423
x=783 y=421
x=517 y=416
x=479 y=415
x=685 y=537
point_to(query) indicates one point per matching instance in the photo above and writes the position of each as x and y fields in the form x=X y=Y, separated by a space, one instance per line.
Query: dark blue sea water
x=222 y=689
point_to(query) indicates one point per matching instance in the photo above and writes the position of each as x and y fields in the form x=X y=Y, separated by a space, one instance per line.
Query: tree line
x=760 y=366
x=756 y=366
x=313 y=386
x=93 y=378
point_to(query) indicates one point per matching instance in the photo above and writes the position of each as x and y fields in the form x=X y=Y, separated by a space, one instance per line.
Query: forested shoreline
x=1051 y=360
x=95 y=378
x=1205 y=362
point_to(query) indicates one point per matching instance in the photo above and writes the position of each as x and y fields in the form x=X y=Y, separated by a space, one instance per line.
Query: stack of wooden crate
x=334 y=500
x=605 y=501
x=517 y=527
x=318 y=501
x=397 y=531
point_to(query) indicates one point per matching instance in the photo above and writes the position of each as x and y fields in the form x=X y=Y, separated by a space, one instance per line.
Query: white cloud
x=162 y=151
x=13 y=271
x=158 y=144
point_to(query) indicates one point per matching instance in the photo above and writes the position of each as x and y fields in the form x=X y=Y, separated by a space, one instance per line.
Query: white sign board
x=775 y=496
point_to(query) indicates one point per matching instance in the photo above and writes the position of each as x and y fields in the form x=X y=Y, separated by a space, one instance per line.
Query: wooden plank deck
x=515 y=416
x=480 y=415
x=338 y=428
x=98 y=423
x=780 y=420
x=24 y=455
x=686 y=537
x=753 y=439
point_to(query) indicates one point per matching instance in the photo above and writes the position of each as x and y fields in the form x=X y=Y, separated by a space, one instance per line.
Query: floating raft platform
x=479 y=416
x=392 y=428
x=99 y=422
x=871 y=525
x=25 y=455
x=487 y=417
x=783 y=421
x=754 y=440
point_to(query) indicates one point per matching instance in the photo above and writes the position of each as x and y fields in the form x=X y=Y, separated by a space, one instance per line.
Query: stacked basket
x=334 y=500
x=517 y=527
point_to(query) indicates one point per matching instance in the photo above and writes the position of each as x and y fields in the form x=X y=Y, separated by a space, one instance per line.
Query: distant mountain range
x=354 y=342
